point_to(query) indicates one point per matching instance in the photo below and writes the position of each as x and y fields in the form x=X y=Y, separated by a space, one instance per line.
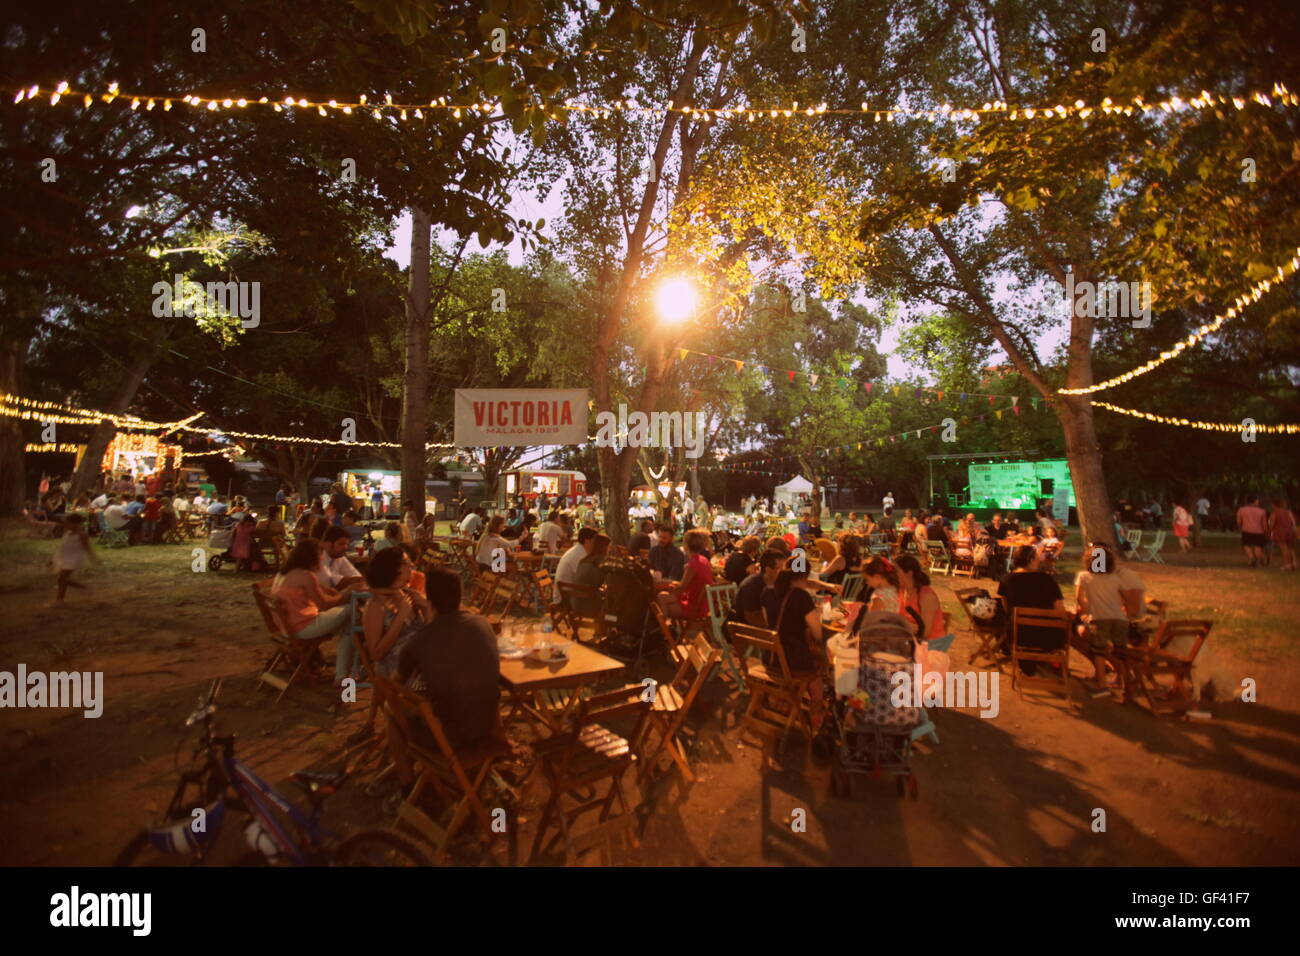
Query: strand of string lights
x=1278 y=97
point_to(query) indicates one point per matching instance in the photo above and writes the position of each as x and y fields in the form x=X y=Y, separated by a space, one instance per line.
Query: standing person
x=149 y=519
x=74 y=549
x=1182 y=526
x=1252 y=522
x=888 y=503
x=1202 y=515
x=1281 y=527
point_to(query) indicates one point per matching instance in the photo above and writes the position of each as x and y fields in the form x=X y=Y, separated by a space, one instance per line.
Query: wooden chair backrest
x=826 y=549
x=936 y=548
x=1042 y=618
x=405 y=708
x=699 y=659
x=1170 y=631
x=721 y=597
x=745 y=637
x=269 y=605
x=601 y=708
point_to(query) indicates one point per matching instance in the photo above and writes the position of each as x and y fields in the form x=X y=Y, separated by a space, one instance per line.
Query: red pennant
x=990 y=399
x=867 y=386
x=791 y=374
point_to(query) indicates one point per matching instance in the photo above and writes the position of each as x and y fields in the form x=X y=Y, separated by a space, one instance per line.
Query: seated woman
x=493 y=543
x=908 y=523
x=881 y=593
x=792 y=612
x=1050 y=548
x=963 y=539
x=918 y=601
x=685 y=598
x=311 y=610
x=847 y=561
x=527 y=537
x=425 y=534
x=395 y=610
x=1108 y=598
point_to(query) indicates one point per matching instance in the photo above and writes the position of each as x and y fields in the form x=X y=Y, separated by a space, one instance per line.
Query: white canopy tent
x=795 y=493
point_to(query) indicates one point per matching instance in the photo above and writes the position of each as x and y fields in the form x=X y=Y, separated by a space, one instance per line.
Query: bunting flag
x=740 y=366
x=867 y=386
x=812 y=378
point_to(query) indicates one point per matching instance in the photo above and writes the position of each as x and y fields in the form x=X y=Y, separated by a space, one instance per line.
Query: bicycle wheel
x=379 y=848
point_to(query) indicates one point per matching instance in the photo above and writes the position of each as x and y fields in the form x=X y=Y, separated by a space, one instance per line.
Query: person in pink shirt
x=687 y=599
x=1252 y=521
x=1281 y=525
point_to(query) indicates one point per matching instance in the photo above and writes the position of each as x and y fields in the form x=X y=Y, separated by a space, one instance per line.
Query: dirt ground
x=1020 y=788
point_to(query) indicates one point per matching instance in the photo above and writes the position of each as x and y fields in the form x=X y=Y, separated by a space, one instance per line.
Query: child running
x=74 y=548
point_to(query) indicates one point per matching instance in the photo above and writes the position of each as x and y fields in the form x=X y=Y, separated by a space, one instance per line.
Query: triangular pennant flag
x=893 y=439
x=845 y=383
x=916 y=393
x=739 y=365
x=940 y=394
x=934 y=428
x=999 y=414
x=683 y=353
x=812 y=378
x=1015 y=399
x=918 y=433
x=1016 y=409
x=991 y=397
x=868 y=386
x=897 y=389
x=791 y=374
x=1034 y=401
x=963 y=396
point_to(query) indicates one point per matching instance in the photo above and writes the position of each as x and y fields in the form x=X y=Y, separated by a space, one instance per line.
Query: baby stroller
x=220 y=539
x=876 y=736
x=629 y=589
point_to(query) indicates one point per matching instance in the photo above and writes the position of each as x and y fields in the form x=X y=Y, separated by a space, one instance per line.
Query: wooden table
x=526 y=677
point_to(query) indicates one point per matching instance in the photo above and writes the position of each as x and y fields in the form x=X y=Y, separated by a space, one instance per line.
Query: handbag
x=981 y=554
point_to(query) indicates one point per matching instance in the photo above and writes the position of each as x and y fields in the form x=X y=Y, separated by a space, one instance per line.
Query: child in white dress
x=71 y=554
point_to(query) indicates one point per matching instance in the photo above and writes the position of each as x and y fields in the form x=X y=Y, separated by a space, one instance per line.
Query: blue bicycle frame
x=256 y=792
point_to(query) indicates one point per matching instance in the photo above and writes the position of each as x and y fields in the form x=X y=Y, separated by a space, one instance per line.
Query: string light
x=1276 y=98
x=63 y=448
x=1203 y=426
x=1238 y=306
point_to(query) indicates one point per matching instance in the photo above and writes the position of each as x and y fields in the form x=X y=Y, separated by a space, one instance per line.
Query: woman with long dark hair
x=310 y=609
x=917 y=600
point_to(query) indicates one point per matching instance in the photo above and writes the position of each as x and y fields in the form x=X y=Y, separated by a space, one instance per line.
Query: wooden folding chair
x=672 y=640
x=879 y=544
x=963 y=564
x=721 y=598
x=577 y=762
x=989 y=635
x=110 y=538
x=1170 y=654
x=458 y=777
x=940 y=561
x=672 y=704
x=1134 y=538
x=1151 y=552
x=296 y=656
x=1058 y=652
x=775 y=697
x=851 y=586
x=584 y=608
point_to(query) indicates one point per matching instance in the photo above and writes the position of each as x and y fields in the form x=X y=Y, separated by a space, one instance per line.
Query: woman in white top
x=492 y=543
x=1109 y=596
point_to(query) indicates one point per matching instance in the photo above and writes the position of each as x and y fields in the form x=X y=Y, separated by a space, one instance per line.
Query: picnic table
x=527 y=677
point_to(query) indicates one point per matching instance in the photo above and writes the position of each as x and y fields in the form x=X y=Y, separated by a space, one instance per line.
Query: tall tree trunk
x=12 y=468
x=1086 y=474
x=415 y=385
x=87 y=473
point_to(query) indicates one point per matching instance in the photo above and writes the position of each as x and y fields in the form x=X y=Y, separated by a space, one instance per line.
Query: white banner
x=491 y=417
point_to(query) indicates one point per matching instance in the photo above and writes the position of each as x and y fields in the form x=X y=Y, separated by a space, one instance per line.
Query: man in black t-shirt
x=748 y=607
x=456 y=654
x=736 y=567
x=787 y=614
x=1026 y=586
x=666 y=557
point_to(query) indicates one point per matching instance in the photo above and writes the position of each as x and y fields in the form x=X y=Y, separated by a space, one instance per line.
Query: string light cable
x=1278 y=97
x=1238 y=306
x=1245 y=425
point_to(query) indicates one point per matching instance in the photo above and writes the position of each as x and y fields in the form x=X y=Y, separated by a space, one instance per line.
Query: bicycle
x=190 y=828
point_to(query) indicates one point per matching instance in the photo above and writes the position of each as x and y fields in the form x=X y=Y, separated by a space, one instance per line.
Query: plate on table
x=513 y=653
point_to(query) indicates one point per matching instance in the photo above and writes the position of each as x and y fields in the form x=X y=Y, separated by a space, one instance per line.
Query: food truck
x=531 y=484
x=361 y=485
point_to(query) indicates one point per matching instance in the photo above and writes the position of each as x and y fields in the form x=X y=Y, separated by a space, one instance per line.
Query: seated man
x=115 y=515
x=736 y=568
x=1027 y=586
x=749 y=597
x=356 y=532
x=589 y=574
x=566 y=571
x=335 y=570
x=455 y=659
x=665 y=557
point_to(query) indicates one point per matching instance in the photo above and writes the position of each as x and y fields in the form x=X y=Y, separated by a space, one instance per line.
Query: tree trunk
x=87 y=473
x=13 y=473
x=1086 y=474
x=415 y=385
